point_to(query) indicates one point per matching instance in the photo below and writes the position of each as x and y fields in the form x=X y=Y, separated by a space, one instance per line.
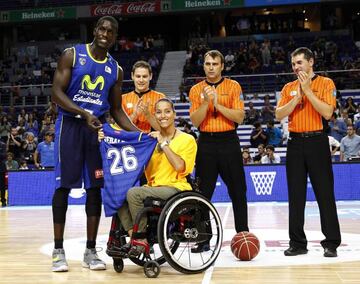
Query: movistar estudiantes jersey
x=125 y=155
x=91 y=81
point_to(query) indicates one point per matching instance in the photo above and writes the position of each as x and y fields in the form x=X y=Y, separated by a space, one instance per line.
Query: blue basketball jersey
x=91 y=81
x=125 y=155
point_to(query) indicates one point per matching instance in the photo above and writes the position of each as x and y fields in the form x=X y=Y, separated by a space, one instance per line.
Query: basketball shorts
x=78 y=161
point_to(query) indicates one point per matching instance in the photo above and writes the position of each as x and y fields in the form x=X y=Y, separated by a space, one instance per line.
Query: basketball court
x=26 y=245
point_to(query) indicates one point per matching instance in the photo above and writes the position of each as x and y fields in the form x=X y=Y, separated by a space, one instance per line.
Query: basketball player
x=306 y=101
x=87 y=83
x=140 y=103
x=216 y=109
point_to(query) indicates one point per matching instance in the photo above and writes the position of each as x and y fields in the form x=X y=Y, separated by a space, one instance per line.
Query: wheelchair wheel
x=189 y=218
x=155 y=254
x=151 y=269
x=118 y=264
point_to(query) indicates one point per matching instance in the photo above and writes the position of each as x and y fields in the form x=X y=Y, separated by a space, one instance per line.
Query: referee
x=216 y=109
x=306 y=101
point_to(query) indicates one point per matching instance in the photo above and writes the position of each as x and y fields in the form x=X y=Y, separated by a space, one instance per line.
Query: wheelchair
x=174 y=227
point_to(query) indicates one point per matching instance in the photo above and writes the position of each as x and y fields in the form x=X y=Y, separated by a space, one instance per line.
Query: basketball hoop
x=263 y=182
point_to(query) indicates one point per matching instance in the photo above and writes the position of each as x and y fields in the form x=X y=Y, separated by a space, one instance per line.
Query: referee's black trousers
x=311 y=156
x=220 y=153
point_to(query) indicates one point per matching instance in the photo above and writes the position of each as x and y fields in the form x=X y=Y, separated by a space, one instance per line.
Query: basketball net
x=263 y=182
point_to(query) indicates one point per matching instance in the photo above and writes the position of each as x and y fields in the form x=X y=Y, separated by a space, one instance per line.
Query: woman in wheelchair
x=172 y=160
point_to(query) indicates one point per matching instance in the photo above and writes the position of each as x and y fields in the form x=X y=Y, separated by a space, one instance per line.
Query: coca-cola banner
x=135 y=8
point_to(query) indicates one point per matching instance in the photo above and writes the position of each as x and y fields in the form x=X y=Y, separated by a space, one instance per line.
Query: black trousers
x=311 y=156
x=2 y=187
x=220 y=153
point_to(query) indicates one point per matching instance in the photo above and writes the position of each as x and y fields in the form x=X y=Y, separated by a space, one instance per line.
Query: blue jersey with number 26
x=125 y=155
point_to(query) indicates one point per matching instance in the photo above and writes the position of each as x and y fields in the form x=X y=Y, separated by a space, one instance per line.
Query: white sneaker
x=59 y=263
x=92 y=261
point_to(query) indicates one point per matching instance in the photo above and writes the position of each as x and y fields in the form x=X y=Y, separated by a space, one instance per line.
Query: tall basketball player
x=87 y=83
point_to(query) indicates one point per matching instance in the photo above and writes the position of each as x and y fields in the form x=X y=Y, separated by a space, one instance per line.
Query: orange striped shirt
x=229 y=95
x=305 y=118
x=129 y=101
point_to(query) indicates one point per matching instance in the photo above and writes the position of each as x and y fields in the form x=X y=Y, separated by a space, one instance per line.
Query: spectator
x=46 y=151
x=357 y=126
x=14 y=143
x=21 y=127
x=154 y=62
x=337 y=127
x=29 y=147
x=357 y=115
x=345 y=117
x=271 y=157
x=23 y=165
x=257 y=136
x=229 y=61
x=22 y=116
x=350 y=144
x=261 y=153
x=253 y=64
x=265 y=53
x=5 y=128
x=246 y=156
x=32 y=125
x=46 y=125
x=138 y=45
x=273 y=134
x=268 y=111
x=182 y=94
x=251 y=114
x=350 y=107
x=10 y=163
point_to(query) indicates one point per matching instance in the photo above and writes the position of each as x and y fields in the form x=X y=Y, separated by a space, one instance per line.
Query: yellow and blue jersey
x=91 y=81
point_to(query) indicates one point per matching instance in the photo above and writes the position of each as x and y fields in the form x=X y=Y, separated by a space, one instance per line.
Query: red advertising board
x=135 y=8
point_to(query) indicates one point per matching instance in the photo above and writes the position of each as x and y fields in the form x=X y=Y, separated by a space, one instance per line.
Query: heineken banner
x=205 y=4
x=38 y=14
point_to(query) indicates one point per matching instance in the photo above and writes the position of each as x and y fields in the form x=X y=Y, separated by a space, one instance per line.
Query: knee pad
x=60 y=204
x=93 y=202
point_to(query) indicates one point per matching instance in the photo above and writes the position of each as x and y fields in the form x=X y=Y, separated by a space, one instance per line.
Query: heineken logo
x=202 y=3
x=42 y=15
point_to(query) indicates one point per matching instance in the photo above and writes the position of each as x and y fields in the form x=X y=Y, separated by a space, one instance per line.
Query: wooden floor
x=26 y=244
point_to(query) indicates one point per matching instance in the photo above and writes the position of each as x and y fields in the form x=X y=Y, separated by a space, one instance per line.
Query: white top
x=265 y=159
x=333 y=142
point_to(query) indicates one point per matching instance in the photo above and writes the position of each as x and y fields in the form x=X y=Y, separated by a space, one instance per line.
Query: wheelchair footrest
x=115 y=251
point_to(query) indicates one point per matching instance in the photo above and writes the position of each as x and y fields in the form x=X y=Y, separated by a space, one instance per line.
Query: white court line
x=209 y=271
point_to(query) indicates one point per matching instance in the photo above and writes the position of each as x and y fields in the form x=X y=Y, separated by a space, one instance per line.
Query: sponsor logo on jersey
x=107 y=69
x=92 y=85
x=293 y=93
x=82 y=61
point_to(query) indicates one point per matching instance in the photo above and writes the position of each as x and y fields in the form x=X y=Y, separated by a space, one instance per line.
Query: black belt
x=306 y=134
x=224 y=134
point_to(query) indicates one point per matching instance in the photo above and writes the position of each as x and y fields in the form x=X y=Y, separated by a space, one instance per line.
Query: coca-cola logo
x=141 y=8
x=108 y=10
x=126 y=8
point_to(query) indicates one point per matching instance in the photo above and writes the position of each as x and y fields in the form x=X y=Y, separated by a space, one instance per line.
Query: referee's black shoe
x=292 y=251
x=329 y=252
x=201 y=247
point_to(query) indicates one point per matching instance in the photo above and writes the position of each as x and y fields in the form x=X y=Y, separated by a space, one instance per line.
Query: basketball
x=245 y=246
